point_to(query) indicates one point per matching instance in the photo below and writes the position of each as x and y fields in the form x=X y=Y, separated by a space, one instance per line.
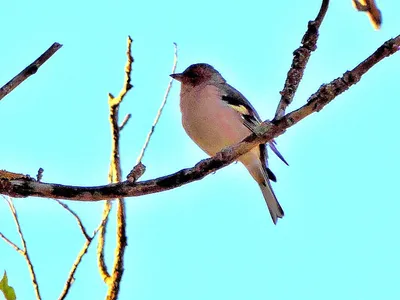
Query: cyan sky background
x=212 y=239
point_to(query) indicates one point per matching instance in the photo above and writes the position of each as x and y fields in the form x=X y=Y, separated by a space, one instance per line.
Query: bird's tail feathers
x=262 y=175
x=274 y=207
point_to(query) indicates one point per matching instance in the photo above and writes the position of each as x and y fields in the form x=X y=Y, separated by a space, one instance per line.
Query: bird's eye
x=191 y=75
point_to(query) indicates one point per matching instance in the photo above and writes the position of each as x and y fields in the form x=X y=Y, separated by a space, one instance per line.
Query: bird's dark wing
x=249 y=115
x=238 y=102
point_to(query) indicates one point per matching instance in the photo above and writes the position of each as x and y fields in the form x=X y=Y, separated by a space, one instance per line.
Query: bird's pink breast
x=209 y=121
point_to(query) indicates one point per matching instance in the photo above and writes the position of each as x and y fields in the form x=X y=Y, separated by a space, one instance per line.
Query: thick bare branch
x=326 y=93
x=29 y=70
x=300 y=60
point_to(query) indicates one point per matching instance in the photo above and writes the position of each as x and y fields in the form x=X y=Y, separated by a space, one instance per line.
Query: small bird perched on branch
x=215 y=115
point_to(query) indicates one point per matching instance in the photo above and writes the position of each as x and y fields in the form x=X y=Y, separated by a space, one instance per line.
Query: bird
x=216 y=115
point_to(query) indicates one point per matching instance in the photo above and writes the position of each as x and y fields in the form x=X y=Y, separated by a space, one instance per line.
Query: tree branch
x=113 y=280
x=159 y=112
x=28 y=71
x=104 y=274
x=300 y=60
x=70 y=278
x=267 y=130
x=24 y=250
x=16 y=248
x=125 y=121
x=78 y=220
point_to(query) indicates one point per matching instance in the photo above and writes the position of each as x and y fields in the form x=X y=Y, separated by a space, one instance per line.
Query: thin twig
x=24 y=253
x=23 y=187
x=127 y=81
x=78 y=220
x=104 y=274
x=300 y=60
x=70 y=278
x=125 y=121
x=16 y=248
x=118 y=267
x=146 y=143
x=29 y=70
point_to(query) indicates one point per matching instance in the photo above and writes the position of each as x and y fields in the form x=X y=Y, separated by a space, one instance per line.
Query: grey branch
x=300 y=60
x=28 y=71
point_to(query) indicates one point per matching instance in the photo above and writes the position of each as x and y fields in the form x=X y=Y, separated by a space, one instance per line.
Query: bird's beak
x=177 y=76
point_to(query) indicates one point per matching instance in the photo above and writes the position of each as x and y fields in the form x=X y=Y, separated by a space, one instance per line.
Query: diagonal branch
x=78 y=220
x=300 y=60
x=157 y=118
x=70 y=278
x=267 y=131
x=28 y=71
x=16 y=248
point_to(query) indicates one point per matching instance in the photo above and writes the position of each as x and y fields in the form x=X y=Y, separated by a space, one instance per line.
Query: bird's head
x=197 y=74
